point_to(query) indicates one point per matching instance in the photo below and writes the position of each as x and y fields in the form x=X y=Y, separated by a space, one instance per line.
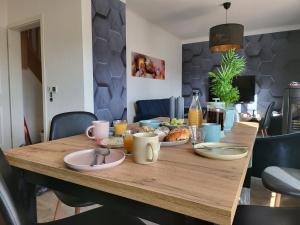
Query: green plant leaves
x=232 y=65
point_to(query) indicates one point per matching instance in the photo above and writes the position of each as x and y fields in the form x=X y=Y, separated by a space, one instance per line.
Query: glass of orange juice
x=128 y=141
x=120 y=127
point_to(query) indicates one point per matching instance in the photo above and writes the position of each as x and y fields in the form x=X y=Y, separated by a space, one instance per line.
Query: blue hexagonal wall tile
x=102 y=97
x=102 y=74
x=101 y=27
x=104 y=114
x=124 y=97
x=101 y=50
x=102 y=6
x=280 y=35
x=265 y=81
x=266 y=68
x=116 y=107
x=266 y=54
x=115 y=4
x=186 y=90
x=280 y=45
x=123 y=56
x=116 y=43
x=253 y=38
x=116 y=66
x=253 y=49
x=123 y=13
x=187 y=55
x=187 y=66
x=186 y=77
x=114 y=19
x=116 y=87
x=93 y=10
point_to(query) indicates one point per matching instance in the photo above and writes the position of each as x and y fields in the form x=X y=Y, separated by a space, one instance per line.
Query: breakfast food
x=162 y=132
x=178 y=134
x=176 y=122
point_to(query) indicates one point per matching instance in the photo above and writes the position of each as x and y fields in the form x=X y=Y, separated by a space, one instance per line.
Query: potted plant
x=232 y=65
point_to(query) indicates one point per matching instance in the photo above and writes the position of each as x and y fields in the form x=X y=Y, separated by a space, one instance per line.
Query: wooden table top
x=180 y=181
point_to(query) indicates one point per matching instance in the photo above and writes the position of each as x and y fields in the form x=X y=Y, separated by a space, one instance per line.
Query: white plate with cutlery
x=223 y=151
x=94 y=159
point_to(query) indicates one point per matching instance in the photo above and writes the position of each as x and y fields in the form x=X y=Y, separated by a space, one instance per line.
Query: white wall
x=66 y=47
x=5 y=126
x=147 y=38
x=33 y=104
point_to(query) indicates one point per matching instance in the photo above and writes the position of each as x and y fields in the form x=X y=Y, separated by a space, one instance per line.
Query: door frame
x=15 y=77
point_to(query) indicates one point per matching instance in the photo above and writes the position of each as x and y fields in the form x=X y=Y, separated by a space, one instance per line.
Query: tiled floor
x=47 y=202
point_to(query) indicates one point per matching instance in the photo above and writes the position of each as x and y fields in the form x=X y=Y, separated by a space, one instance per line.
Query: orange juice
x=120 y=127
x=128 y=143
x=195 y=117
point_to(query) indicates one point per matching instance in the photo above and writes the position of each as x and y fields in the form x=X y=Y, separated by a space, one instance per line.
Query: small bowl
x=150 y=123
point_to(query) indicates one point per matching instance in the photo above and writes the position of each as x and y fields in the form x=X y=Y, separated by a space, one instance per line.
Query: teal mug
x=212 y=132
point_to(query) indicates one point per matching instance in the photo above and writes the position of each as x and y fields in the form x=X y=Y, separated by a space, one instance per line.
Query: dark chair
x=282 y=180
x=265 y=123
x=281 y=151
x=149 y=109
x=262 y=215
x=9 y=214
x=66 y=125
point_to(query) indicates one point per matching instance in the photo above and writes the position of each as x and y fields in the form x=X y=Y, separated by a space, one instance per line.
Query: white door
x=5 y=119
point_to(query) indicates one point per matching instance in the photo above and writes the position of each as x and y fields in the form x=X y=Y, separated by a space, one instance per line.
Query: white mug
x=100 y=129
x=146 y=147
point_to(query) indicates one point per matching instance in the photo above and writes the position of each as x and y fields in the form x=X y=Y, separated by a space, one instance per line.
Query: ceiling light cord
x=226 y=6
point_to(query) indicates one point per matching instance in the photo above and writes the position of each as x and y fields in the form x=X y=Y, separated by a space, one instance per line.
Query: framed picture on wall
x=147 y=67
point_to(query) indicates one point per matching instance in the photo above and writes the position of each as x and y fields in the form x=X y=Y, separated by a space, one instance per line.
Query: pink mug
x=100 y=130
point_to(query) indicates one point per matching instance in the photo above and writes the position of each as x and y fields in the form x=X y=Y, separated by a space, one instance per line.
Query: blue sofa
x=148 y=109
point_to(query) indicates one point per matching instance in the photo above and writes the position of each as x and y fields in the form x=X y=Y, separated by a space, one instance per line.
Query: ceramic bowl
x=150 y=123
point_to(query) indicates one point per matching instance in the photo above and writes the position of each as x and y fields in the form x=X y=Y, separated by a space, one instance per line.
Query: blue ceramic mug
x=212 y=132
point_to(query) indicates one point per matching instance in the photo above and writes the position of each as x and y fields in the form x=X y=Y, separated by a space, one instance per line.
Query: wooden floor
x=259 y=196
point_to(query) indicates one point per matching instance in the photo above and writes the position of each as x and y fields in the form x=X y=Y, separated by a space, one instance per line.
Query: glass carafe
x=195 y=111
x=216 y=112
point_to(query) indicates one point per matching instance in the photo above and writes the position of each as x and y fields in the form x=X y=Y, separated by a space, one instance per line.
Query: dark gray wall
x=273 y=58
x=109 y=55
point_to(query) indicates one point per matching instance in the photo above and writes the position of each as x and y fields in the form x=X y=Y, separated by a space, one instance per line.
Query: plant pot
x=229 y=118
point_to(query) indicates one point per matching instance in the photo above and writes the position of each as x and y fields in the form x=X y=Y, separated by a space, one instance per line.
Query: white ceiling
x=191 y=19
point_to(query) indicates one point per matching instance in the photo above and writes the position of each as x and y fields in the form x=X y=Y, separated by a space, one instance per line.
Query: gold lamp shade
x=225 y=37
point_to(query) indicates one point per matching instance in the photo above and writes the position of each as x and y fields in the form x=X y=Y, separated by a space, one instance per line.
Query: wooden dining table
x=180 y=187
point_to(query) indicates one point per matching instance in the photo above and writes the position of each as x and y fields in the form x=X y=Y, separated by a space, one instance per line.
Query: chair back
x=280 y=150
x=267 y=119
x=70 y=124
x=8 y=211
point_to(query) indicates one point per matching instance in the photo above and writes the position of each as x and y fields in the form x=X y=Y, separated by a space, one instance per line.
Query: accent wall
x=109 y=58
x=274 y=59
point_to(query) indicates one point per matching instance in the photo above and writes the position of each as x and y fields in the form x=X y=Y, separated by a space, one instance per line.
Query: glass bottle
x=195 y=111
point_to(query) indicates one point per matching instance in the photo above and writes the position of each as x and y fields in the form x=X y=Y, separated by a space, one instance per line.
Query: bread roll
x=178 y=134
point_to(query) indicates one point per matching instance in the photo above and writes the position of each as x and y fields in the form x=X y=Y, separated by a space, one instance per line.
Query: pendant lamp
x=226 y=36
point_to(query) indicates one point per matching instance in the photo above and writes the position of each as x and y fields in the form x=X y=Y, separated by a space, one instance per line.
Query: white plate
x=81 y=160
x=113 y=142
x=173 y=143
x=223 y=154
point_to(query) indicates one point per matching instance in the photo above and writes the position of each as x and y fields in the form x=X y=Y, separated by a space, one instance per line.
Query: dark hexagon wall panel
x=109 y=58
x=101 y=27
x=102 y=74
x=102 y=7
x=273 y=58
